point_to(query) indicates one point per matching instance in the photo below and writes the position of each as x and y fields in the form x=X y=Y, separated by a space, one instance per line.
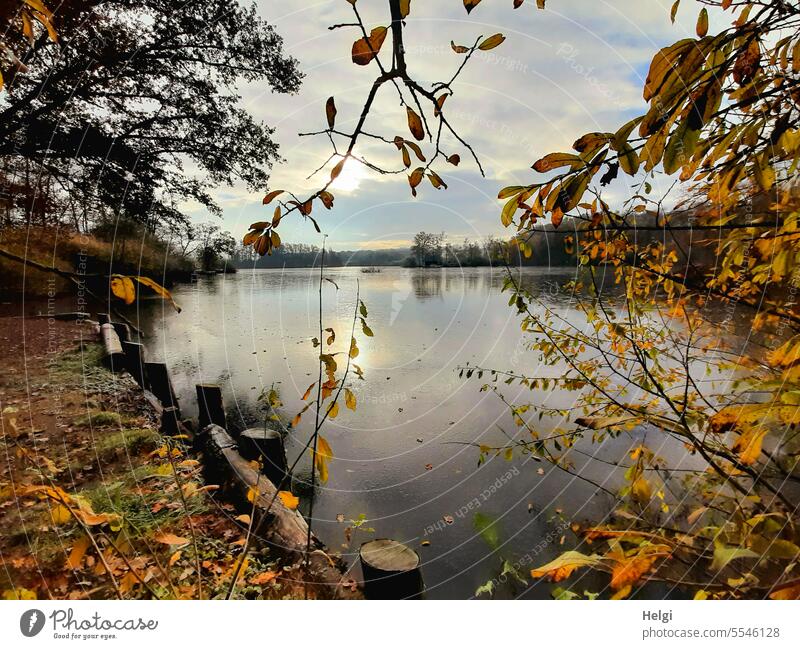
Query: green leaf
x=723 y=555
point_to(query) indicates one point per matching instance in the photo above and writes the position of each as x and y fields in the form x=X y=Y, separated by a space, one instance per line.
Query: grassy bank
x=94 y=503
x=133 y=252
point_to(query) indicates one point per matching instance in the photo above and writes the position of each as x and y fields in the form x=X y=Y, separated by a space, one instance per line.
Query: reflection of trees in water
x=427 y=284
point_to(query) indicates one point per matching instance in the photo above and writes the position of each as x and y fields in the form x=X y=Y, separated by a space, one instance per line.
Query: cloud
x=573 y=68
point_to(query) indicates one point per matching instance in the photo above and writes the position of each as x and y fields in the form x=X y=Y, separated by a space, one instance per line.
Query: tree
x=427 y=248
x=212 y=244
x=136 y=93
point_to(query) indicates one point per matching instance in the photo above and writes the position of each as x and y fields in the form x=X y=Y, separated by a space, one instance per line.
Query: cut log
x=265 y=445
x=284 y=530
x=391 y=570
x=113 y=354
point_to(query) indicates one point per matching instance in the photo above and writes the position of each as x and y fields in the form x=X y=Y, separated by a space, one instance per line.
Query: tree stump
x=391 y=570
x=112 y=347
x=265 y=445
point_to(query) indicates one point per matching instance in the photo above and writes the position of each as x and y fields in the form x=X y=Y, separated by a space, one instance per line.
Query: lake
x=406 y=460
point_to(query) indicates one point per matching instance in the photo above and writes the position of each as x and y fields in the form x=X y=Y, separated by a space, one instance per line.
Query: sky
x=576 y=67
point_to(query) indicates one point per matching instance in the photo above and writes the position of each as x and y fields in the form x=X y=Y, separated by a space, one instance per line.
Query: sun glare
x=350 y=177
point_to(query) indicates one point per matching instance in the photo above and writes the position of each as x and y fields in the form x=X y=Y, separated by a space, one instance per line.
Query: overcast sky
x=576 y=67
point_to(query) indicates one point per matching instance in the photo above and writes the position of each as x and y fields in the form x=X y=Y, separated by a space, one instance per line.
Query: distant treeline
x=427 y=250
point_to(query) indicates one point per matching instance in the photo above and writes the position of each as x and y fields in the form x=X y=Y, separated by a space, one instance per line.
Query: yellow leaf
x=289 y=500
x=563 y=566
x=749 y=443
x=349 y=399
x=244 y=518
x=19 y=593
x=61 y=515
x=157 y=288
x=641 y=490
x=492 y=42
x=324 y=453
x=253 y=493
x=333 y=410
x=122 y=287
x=174 y=558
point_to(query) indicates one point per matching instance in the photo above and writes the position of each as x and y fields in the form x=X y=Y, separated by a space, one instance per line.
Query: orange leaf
x=170 y=539
x=263 y=578
x=366 y=49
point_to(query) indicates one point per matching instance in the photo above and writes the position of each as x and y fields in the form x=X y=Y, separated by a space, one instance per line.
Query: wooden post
x=112 y=346
x=391 y=570
x=123 y=331
x=134 y=358
x=209 y=404
x=265 y=445
x=159 y=384
x=170 y=425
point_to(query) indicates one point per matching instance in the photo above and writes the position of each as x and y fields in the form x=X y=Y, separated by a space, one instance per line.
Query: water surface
x=406 y=459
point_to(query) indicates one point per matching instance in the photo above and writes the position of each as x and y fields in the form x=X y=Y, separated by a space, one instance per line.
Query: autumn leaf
x=627 y=571
x=555 y=160
x=349 y=399
x=415 y=124
x=289 y=500
x=337 y=169
x=330 y=112
x=158 y=289
x=168 y=538
x=122 y=287
x=469 y=5
x=323 y=455
x=702 y=23
x=263 y=577
x=562 y=567
x=77 y=553
x=491 y=42
x=271 y=196
x=366 y=49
